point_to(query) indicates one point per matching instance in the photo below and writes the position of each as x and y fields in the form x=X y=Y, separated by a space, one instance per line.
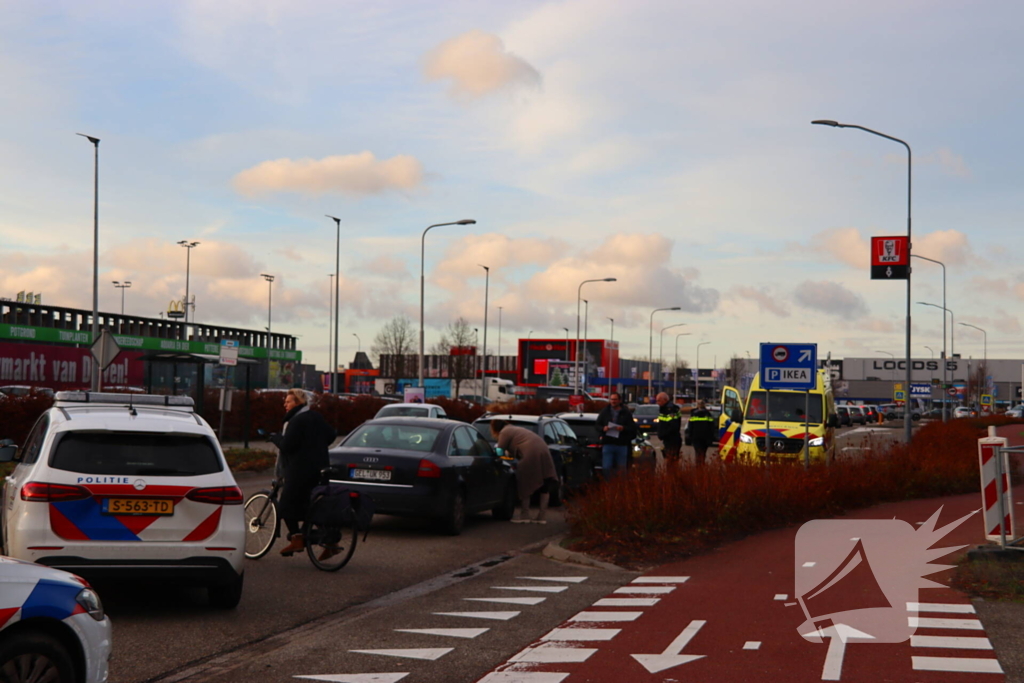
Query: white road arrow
x=839 y=635
x=358 y=678
x=671 y=657
x=805 y=355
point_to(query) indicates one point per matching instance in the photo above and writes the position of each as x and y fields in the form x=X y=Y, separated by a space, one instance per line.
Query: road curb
x=555 y=551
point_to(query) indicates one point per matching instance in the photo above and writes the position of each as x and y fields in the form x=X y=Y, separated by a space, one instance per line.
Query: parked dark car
x=585 y=427
x=425 y=467
x=574 y=462
x=844 y=416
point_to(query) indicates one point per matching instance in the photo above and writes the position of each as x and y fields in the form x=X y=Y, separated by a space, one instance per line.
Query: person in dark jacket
x=702 y=431
x=617 y=427
x=669 y=428
x=303 y=446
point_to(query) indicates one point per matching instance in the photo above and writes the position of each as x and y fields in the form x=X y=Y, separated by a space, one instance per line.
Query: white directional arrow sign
x=838 y=635
x=805 y=355
x=671 y=657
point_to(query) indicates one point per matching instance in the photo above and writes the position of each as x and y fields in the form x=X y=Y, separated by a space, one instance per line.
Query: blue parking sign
x=789 y=366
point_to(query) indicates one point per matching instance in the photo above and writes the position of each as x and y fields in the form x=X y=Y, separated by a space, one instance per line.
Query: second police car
x=125 y=486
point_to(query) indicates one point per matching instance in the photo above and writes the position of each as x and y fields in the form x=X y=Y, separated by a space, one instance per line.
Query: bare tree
x=394 y=347
x=460 y=338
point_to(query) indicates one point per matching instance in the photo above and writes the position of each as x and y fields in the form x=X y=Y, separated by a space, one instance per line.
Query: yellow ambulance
x=776 y=422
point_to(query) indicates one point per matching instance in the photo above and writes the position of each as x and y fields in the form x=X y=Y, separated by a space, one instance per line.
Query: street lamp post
x=423 y=251
x=908 y=426
x=675 y=373
x=270 y=301
x=611 y=342
x=189 y=246
x=952 y=345
x=529 y=335
x=586 y=316
x=985 y=361
x=697 y=381
x=487 y=289
x=576 y=368
x=945 y=359
x=330 y=329
x=661 y=352
x=337 y=297
x=650 y=351
x=123 y=286
x=359 y=343
x=566 y=343
x=932 y=372
x=497 y=366
x=95 y=253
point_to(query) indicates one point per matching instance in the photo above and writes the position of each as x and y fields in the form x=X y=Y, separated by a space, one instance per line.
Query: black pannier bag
x=335 y=505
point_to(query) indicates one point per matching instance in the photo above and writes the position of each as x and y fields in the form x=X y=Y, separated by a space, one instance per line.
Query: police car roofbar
x=123 y=399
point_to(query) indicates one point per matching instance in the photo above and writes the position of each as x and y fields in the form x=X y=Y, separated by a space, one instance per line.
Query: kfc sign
x=890 y=258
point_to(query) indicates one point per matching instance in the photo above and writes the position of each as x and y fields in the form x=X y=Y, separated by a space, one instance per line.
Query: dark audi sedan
x=424 y=467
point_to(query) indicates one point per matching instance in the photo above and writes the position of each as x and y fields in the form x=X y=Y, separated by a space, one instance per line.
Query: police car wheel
x=35 y=656
x=226 y=595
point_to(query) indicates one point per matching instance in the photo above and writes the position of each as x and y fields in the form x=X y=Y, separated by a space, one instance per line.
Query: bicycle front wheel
x=330 y=547
x=261 y=524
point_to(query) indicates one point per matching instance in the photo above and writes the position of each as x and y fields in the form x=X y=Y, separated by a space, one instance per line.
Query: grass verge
x=990 y=578
x=651 y=517
x=249 y=459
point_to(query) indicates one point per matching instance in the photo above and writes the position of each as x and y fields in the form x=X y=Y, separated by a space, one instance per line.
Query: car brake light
x=218 y=495
x=428 y=469
x=41 y=492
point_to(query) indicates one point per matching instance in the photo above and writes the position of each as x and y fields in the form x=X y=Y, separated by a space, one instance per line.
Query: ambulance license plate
x=378 y=475
x=136 y=506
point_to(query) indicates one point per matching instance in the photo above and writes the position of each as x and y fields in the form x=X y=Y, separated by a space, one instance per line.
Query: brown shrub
x=651 y=515
x=19 y=413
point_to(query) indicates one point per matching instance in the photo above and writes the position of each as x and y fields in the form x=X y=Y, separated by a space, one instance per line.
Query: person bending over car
x=535 y=470
x=303 y=444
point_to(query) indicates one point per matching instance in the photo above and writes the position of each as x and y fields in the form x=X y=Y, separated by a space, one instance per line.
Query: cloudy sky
x=666 y=144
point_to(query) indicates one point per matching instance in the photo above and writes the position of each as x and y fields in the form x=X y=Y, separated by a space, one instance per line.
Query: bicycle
x=330 y=539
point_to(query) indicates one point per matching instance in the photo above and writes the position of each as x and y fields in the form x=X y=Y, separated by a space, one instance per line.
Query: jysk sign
x=920 y=390
x=789 y=366
x=890 y=258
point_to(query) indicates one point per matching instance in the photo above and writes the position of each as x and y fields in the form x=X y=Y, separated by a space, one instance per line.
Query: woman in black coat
x=303 y=446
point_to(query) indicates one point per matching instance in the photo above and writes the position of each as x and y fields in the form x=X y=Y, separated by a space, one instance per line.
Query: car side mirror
x=8 y=452
x=736 y=415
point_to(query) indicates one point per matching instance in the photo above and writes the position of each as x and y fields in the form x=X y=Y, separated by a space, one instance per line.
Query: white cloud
x=830 y=298
x=948 y=162
x=949 y=246
x=762 y=299
x=353 y=174
x=478 y=64
x=844 y=245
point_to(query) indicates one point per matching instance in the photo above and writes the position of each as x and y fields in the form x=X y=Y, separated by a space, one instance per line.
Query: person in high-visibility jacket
x=668 y=428
x=701 y=432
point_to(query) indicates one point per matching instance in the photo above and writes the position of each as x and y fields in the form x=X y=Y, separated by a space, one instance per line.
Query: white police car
x=126 y=486
x=52 y=626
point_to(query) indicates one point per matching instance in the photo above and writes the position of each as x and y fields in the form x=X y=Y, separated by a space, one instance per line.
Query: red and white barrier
x=989 y=494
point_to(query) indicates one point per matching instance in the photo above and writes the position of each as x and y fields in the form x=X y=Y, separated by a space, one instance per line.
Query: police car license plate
x=378 y=475
x=136 y=506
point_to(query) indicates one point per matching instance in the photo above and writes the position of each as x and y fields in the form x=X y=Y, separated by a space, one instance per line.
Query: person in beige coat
x=535 y=470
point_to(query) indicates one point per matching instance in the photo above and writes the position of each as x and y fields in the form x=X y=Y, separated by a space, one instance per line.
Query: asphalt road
x=157 y=631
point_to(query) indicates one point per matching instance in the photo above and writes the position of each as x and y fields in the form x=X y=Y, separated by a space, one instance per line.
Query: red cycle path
x=736 y=590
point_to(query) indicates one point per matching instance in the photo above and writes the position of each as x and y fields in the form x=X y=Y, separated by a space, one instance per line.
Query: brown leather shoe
x=296 y=543
x=327 y=553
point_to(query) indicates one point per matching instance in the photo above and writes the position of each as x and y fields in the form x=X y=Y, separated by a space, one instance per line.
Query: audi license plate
x=136 y=506
x=377 y=475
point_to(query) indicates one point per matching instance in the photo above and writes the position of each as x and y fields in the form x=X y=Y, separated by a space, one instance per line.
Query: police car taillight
x=41 y=492
x=218 y=495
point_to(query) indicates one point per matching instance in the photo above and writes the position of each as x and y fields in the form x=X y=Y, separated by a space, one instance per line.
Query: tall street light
x=908 y=426
x=986 y=349
x=576 y=365
x=330 y=330
x=95 y=252
x=586 y=318
x=932 y=373
x=566 y=343
x=127 y=284
x=498 y=364
x=945 y=359
x=661 y=350
x=952 y=343
x=611 y=342
x=189 y=246
x=529 y=335
x=270 y=299
x=650 y=351
x=359 y=343
x=487 y=289
x=675 y=373
x=423 y=251
x=697 y=382
x=337 y=296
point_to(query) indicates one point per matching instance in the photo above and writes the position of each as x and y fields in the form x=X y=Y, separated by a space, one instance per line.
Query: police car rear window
x=135 y=453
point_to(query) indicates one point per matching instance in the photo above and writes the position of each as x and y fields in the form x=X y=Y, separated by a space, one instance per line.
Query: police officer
x=701 y=431
x=668 y=428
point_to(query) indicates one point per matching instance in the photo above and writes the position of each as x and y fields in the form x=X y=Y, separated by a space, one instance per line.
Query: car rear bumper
x=191 y=570
x=417 y=500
